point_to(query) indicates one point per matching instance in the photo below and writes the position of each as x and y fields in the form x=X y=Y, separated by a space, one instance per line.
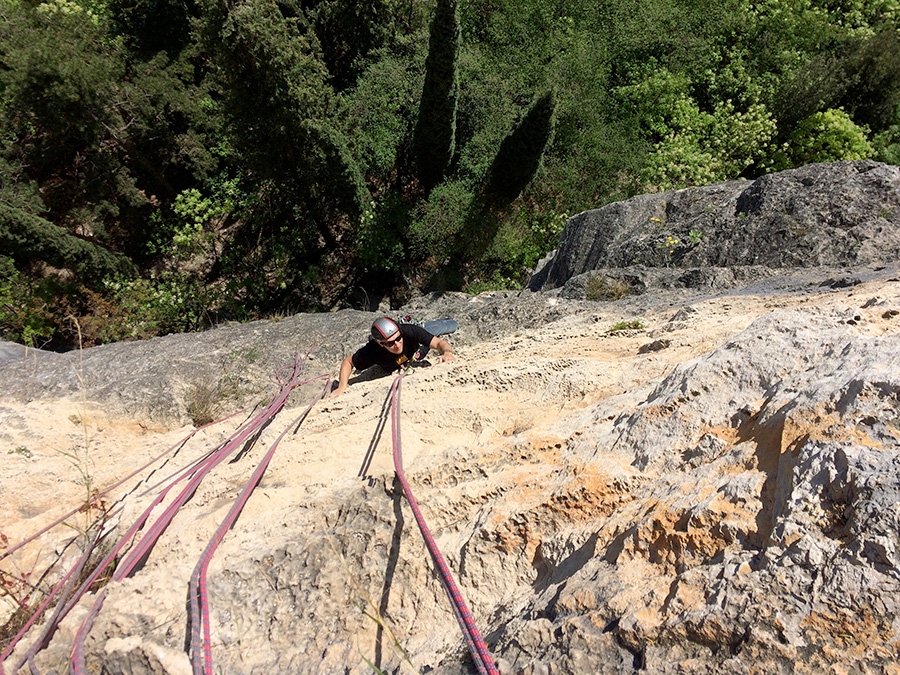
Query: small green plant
x=630 y=324
x=496 y=283
x=202 y=400
x=22 y=451
x=601 y=288
x=94 y=509
x=669 y=246
x=251 y=354
x=695 y=236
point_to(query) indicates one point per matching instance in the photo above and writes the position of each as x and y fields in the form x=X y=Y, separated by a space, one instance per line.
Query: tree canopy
x=263 y=156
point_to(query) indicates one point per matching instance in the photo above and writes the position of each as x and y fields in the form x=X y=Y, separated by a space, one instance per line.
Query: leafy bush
x=626 y=325
x=829 y=136
x=378 y=241
x=497 y=282
x=186 y=233
x=143 y=308
x=437 y=222
x=698 y=147
x=25 y=316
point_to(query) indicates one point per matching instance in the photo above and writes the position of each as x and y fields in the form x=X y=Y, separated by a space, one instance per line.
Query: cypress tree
x=434 y=138
x=275 y=90
x=348 y=30
x=520 y=153
x=26 y=237
x=335 y=183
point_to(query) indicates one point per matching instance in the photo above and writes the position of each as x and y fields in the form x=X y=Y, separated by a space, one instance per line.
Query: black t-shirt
x=374 y=354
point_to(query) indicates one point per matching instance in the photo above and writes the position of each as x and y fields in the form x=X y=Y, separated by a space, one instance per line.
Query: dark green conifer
x=334 y=179
x=434 y=139
x=277 y=96
x=348 y=30
x=26 y=237
x=520 y=153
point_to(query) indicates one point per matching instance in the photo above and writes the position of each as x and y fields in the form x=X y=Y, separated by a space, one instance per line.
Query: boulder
x=841 y=213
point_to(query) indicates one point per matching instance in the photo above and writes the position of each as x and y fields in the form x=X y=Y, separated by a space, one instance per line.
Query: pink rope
x=200 y=624
x=199 y=597
x=159 y=526
x=112 y=487
x=480 y=654
x=66 y=602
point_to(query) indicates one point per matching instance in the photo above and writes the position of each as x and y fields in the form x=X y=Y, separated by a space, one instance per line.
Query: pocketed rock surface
x=716 y=492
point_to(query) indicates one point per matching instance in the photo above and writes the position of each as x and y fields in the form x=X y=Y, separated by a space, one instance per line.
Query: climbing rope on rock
x=478 y=649
x=201 y=643
x=137 y=555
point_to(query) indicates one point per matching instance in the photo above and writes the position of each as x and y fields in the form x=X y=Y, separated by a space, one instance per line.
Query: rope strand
x=478 y=649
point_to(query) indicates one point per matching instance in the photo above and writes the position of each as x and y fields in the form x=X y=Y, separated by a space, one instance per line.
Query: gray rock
x=844 y=213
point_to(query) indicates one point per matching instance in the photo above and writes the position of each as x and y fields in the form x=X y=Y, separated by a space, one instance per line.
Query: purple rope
x=197 y=589
x=66 y=602
x=112 y=487
x=161 y=523
x=63 y=585
x=480 y=654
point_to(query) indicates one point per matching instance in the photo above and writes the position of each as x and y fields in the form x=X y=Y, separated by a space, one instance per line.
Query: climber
x=390 y=346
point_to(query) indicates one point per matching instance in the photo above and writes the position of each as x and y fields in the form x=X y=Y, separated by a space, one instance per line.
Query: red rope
x=112 y=487
x=198 y=591
x=159 y=526
x=480 y=654
x=67 y=599
x=202 y=643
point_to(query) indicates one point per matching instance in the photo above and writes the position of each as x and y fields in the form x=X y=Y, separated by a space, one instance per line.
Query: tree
x=348 y=31
x=271 y=77
x=434 y=138
x=28 y=238
x=520 y=153
x=278 y=106
x=105 y=138
x=152 y=26
x=333 y=180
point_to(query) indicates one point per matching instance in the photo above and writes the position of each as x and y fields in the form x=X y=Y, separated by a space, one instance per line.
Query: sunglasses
x=388 y=343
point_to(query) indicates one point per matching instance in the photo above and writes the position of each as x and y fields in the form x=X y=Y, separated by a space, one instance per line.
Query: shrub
x=495 y=283
x=144 y=308
x=829 y=136
x=603 y=288
x=25 y=316
x=631 y=324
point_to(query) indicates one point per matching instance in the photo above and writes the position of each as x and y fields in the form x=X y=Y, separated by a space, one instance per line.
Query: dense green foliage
x=24 y=237
x=165 y=163
x=520 y=153
x=434 y=139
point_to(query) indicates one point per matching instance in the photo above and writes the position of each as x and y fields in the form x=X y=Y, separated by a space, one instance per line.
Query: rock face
x=844 y=213
x=700 y=478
